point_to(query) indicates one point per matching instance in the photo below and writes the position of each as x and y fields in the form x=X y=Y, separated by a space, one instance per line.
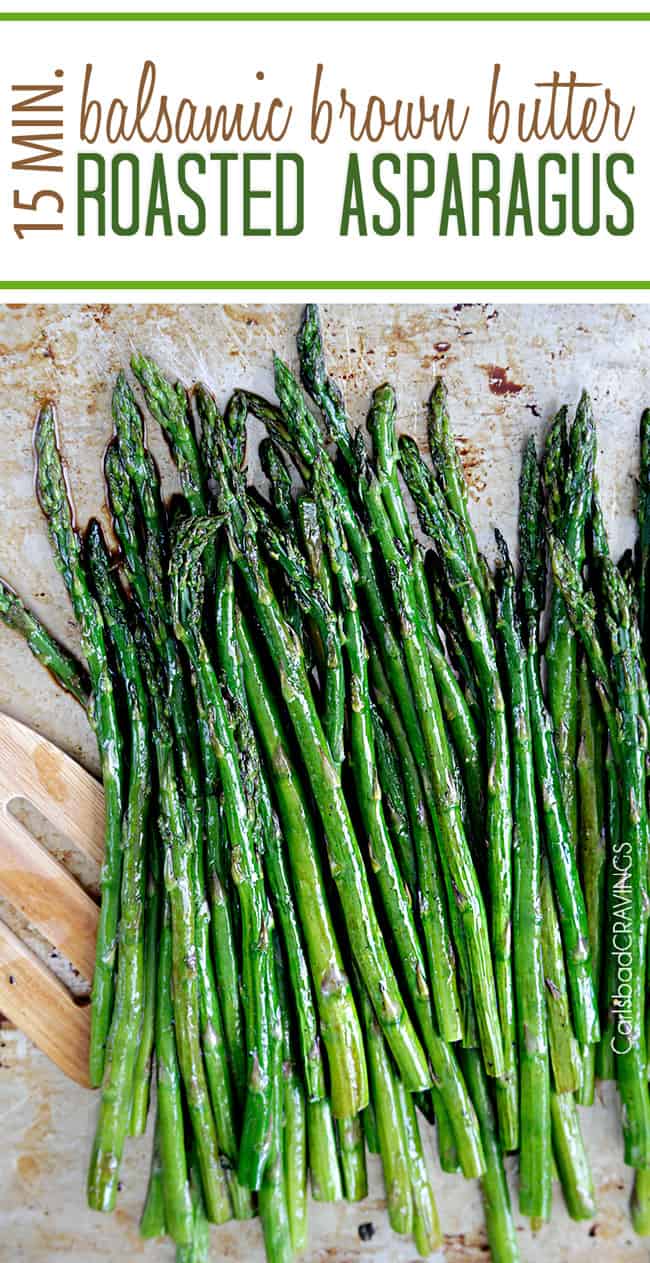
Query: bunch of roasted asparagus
x=376 y=849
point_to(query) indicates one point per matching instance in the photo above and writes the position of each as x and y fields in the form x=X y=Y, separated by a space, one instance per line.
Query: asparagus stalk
x=324 y=1170
x=168 y=406
x=390 y=1125
x=275 y=469
x=431 y=899
x=136 y=466
x=394 y=893
x=179 y=872
x=618 y=691
x=352 y=1153
x=605 y=1060
x=338 y=1018
x=305 y=439
x=640 y=1203
x=571 y=1157
x=153 y=1222
x=174 y=1173
x=563 y=1048
x=438 y=522
x=187 y=587
x=450 y=476
x=382 y=858
x=535 y=1174
x=394 y=799
x=591 y=776
x=346 y=862
x=570 y=899
x=308 y=595
x=462 y=727
x=643 y=518
x=273 y=1200
x=574 y=486
x=426 y=1225
x=331 y=663
x=144 y=1056
x=53 y=495
x=501 y=1233
x=294 y=1136
x=272 y=843
x=46 y=649
x=128 y=1010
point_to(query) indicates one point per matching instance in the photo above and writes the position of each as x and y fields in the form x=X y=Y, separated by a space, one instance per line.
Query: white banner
x=341 y=152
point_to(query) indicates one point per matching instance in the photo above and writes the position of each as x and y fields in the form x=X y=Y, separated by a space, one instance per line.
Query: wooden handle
x=46 y=894
x=36 y=1002
x=69 y=797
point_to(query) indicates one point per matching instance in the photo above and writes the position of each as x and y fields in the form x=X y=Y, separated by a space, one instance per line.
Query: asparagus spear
x=643 y=517
x=445 y=1070
x=174 y=1174
x=605 y=1060
x=147 y=564
x=570 y=899
x=381 y=423
x=153 y=1222
x=394 y=798
x=445 y=607
x=450 y=476
x=394 y=893
x=273 y=1200
x=305 y=438
x=574 y=486
x=294 y=1138
x=352 y=1152
x=592 y=853
x=640 y=1203
x=324 y=1170
x=168 y=406
x=571 y=1157
x=179 y=873
x=438 y=522
x=426 y=1225
x=562 y=1044
x=308 y=595
x=272 y=843
x=618 y=691
x=494 y=1189
x=331 y=663
x=431 y=899
x=535 y=1175
x=128 y=1010
x=338 y=1018
x=447 y=1151
x=187 y=588
x=275 y=469
x=53 y=495
x=555 y=468
x=345 y=859
x=390 y=1125
x=144 y=1056
x=55 y=657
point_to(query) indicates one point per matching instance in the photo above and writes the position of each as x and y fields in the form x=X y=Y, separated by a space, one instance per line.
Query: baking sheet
x=507 y=367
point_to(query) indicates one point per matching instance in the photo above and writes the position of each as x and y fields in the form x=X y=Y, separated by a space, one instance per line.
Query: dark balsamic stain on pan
x=498 y=380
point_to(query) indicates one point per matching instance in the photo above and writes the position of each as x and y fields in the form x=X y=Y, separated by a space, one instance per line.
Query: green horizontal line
x=324 y=285
x=326 y=17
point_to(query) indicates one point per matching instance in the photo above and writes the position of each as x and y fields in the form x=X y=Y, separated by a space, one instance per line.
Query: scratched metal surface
x=507 y=369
